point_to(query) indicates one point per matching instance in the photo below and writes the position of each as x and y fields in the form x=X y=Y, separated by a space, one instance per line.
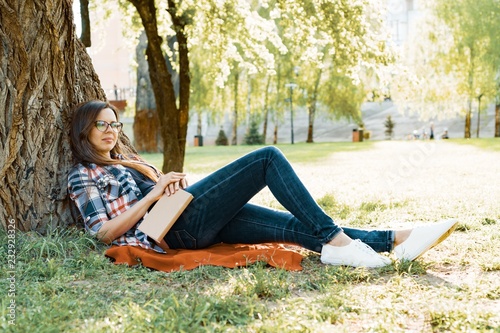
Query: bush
x=389 y=127
x=221 y=139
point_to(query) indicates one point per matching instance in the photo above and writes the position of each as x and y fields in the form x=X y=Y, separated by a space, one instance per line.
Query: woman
x=113 y=190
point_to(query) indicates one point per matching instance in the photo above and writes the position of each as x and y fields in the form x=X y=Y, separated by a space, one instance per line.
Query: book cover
x=163 y=215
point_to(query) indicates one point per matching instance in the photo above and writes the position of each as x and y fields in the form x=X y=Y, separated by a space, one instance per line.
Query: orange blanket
x=227 y=255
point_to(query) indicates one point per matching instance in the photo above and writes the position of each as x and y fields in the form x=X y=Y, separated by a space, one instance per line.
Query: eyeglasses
x=102 y=126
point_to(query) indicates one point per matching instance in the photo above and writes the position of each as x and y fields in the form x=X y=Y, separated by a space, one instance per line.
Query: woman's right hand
x=168 y=183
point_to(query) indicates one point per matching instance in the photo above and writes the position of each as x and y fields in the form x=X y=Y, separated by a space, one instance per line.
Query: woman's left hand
x=168 y=183
x=175 y=185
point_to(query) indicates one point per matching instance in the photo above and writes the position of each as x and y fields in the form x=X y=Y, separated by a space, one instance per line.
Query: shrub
x=253 y=137
x=221 y=139
x=389 y=127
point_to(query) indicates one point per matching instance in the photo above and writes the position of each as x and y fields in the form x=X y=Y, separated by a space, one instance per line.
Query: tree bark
x=310 y=128
x=44 y=71
x=234 y=139
x=468 y=119
x=173 y=120
x=147 y=136
x=179 y=23
x=266 y=108
x=312 y=108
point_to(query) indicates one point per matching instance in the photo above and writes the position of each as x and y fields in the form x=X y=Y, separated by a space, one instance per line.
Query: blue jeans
x=220 y=211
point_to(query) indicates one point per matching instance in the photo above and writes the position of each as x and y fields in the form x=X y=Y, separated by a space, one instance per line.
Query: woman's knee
x=271 y=151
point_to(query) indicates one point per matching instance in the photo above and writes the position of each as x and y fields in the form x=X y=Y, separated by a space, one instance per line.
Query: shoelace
x=364 y=247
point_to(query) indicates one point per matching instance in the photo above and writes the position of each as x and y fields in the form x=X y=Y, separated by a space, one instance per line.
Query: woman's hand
x=169 y=184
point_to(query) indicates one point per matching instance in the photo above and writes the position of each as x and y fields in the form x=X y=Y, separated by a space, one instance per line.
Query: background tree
x=389 y=127
x=259 y=44
x=147 y=135
x=44 y=71
x=453 y=60
x=221 y=139
x=331 y=40
x=173 y=115
x=253 y=137
x=231 y=25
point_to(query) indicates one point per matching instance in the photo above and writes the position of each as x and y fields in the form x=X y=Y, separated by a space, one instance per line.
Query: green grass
x=63 y=282
x=209 y=158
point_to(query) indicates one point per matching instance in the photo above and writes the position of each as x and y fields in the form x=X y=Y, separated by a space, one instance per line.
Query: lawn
x=63 y=283
x=208 y=158
x=486 y=143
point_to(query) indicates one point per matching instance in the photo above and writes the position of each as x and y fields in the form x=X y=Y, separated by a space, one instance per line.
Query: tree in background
x=335 y=43
x=172 y=111
x=453 y=61
x=252 y=137
x=389 y=127
x=147 y=134
x=221 y=139
x=232 y=26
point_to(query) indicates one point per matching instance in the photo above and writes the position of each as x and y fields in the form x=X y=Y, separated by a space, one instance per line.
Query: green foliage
x=453 y=59
x=334 y=45
x=252 y=137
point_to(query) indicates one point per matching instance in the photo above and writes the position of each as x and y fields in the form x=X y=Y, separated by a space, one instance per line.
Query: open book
x=163 y=215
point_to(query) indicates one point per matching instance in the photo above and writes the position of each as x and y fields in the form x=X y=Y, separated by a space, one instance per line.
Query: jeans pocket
x=181 y=239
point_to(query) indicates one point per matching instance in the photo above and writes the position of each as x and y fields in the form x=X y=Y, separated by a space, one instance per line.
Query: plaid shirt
x=101 y=193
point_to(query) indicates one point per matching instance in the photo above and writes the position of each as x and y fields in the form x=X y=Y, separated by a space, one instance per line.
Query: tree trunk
x=278 y=105
x=146 y=131
x=173 y=120
x=234 y=139
x=468 y=121
x=275 y=133
x=44 y=71
x=497 y=121
x=179 y=24
x=312 y=107
x=266 y=108
x=147 y=136
x=310 y=128
x=478 y=114
x=248 y=119
x=199 y=123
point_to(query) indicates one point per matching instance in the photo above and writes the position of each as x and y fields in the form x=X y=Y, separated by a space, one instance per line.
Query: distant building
x=401 y=19
x=111 y=56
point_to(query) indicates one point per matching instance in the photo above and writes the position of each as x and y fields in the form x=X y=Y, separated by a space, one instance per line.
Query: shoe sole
x=439 y=240
x=342 y=263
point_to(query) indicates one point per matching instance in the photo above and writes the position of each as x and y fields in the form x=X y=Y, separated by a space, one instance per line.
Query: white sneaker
x=423 y=238
x=356 y=254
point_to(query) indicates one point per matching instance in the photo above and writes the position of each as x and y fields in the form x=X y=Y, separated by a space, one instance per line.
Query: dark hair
x=84 y=116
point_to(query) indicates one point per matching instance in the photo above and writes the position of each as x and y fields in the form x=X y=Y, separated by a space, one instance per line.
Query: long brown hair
x=84 y=116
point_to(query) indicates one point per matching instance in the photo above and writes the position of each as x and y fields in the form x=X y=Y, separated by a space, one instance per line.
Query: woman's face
x=104 y=141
